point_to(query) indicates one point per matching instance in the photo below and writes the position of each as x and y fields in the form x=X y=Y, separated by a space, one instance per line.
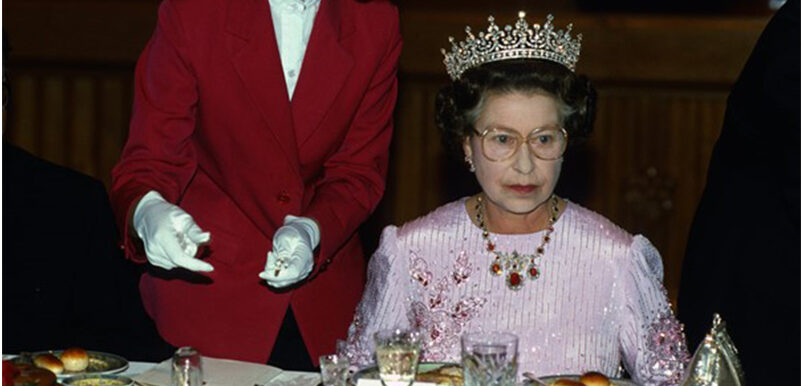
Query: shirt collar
x=305 y=3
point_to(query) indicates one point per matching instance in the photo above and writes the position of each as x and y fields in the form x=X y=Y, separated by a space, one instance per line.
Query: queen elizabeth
x=581 y=293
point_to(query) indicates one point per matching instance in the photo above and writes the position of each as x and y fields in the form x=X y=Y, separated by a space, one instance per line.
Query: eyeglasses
x=547 y=143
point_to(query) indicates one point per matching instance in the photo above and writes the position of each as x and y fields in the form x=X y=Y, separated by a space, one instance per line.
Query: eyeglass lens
x=546 y=143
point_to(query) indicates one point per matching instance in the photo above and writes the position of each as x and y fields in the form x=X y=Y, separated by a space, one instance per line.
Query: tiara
x=518 y=42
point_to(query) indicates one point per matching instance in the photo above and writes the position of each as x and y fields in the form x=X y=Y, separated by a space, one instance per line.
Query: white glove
x=291 y=259
x=170 y=235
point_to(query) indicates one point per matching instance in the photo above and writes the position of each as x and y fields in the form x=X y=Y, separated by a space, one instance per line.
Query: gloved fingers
x=307 y=269
x=184 y=224
x=181 y=251
x=265 y=275
x=307 y=227
x=180 y=219
x=193 y=264
x=280 y=270
x=276 y=263
x=271 y=261
x=286 y=233
x=158 y=259
x=281 y=283
x=197 y=235
x=285 y=278
x=156 y=253
x=300 y=250
x=290 y=218
x=304 y=264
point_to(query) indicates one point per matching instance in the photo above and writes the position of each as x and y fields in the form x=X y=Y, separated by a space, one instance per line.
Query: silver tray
x=99 y=363
x=98 y=380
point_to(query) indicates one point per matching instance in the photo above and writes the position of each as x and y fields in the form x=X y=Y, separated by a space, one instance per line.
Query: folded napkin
x=220 y=372
x=294 y=378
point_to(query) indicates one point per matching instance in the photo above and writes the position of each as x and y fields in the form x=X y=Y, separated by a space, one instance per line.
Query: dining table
x=222 y=372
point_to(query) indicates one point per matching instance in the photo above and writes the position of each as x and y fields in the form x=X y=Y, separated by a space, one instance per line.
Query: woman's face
x=521 y=183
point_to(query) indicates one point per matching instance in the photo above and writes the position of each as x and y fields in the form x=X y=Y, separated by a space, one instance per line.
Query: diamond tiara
x=521 y=41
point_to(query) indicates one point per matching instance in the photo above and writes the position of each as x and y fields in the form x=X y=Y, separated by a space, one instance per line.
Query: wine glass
x=397 y=354
x=489 y=359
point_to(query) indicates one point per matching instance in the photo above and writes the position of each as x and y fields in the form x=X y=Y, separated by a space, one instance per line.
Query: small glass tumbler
x=187 y=369
x=334 y=370
x=489 y=359
x=397 y=353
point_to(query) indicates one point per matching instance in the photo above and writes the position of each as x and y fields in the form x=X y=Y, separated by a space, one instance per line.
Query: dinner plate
x=574 y=377
x=99 y=363
x=98 y=380
x=373 y=371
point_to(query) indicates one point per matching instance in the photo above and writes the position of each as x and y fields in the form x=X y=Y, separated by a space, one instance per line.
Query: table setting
x=487 y=359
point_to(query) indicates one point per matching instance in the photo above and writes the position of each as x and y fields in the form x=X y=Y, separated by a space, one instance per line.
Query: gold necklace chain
x=516 y=263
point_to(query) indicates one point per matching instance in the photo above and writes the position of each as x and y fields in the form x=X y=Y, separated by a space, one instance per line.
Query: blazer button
x=283 y=198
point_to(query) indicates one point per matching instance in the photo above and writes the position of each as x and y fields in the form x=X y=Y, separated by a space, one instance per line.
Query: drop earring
x=469 y=161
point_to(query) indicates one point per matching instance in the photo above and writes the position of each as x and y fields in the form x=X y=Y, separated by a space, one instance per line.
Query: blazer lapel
x=254 y=52
x=326 y=66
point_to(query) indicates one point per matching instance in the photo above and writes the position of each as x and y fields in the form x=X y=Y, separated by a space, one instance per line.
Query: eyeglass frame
x=525 y=141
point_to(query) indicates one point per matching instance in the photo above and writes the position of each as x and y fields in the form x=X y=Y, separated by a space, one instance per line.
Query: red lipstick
x=522 y=189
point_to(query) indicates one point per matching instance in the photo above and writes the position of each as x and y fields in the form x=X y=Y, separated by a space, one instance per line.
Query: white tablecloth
x=284 y=378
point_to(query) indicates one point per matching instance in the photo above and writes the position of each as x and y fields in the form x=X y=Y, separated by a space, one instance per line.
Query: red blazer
x=213 y=131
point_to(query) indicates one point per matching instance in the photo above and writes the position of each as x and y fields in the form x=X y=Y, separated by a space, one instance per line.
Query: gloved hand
x=170 y=235
x=291 y=259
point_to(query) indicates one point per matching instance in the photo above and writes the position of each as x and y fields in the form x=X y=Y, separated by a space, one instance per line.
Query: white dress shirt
x=293 y=20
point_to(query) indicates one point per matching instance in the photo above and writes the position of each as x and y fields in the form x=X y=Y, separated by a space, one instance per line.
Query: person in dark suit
x=65 y=282
x=743 y=254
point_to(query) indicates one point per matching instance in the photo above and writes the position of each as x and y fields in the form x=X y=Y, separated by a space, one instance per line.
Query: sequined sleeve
x=652 y=341
x=383 y=303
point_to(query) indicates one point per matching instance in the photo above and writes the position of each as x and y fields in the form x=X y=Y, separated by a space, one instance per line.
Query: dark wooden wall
x=662 y=79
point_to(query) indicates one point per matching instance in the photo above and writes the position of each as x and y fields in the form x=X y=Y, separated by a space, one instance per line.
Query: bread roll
x=49 y=362
x=34 y=376
x=593 y=378
x=75 y=359
x=447 y=375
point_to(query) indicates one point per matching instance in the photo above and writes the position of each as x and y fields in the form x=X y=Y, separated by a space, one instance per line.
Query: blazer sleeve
x=383 y=303
x=354 y=177
x=158 y=154
x=651 y=338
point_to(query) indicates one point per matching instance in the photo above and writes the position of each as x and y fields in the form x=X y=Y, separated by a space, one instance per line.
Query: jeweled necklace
x=515 y=263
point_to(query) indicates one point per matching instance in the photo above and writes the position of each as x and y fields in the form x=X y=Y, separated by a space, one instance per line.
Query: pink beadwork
x=462 y=268
x=439 y=317
x=666 y=354
x=420 y=272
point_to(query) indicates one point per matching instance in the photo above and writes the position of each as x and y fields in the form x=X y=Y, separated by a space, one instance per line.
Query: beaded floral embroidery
x=666 y=354
x=439 y=317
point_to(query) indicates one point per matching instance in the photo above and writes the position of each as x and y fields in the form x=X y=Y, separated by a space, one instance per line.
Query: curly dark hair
x=459 y=104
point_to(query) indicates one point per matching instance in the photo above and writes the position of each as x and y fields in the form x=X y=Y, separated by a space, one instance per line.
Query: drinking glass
x=334 y=370
x=397 y=353
x=489 y=359
x=187 y=369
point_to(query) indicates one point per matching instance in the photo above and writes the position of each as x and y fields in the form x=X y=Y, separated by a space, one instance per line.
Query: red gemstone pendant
x=515 y=280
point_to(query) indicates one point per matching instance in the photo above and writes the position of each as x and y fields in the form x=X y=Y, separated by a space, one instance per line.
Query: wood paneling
x=662 y=81
x=75 y=118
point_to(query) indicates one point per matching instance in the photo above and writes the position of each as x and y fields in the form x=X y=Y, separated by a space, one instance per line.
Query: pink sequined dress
x=598 y=303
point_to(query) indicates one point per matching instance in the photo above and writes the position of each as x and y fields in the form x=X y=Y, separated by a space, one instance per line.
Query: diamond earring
x=469 y=161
